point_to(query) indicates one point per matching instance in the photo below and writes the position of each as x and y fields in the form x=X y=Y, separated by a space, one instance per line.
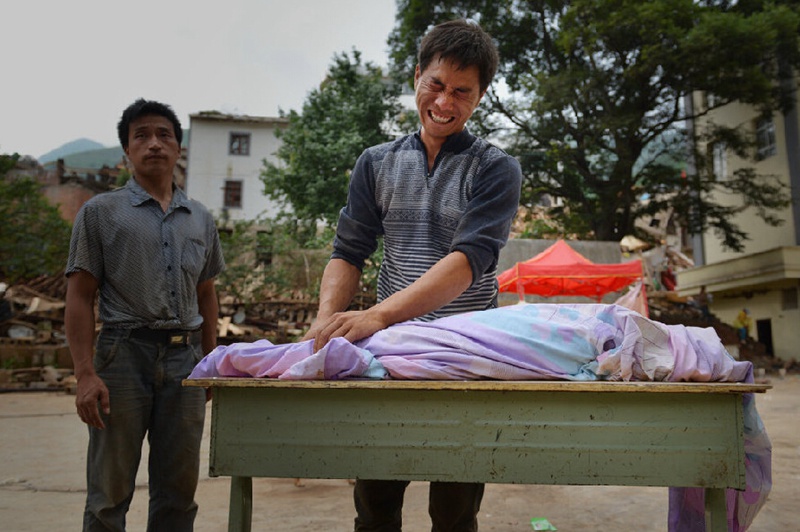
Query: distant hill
x=85 y=153
x=110 y=157
x=75 y=146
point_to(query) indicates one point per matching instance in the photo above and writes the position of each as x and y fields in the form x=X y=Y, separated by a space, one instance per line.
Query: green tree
x=355 y=107
x=34 y=239
x=263 y=261
x=7 y=163
x=593 y=101
x=123 y=177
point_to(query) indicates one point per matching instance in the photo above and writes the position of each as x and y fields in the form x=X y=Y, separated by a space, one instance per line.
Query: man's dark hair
x=465 y=43
x=142 y=107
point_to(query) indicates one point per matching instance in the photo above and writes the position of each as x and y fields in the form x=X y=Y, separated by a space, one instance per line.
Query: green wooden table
x=533 y=432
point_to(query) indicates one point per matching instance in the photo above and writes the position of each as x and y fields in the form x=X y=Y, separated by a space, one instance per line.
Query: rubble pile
x=279 y=320
x=33 y=350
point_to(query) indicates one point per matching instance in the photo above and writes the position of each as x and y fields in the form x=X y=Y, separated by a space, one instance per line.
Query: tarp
x=561 y=271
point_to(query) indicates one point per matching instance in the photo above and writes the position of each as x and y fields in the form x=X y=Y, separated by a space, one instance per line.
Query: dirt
x=42 y=484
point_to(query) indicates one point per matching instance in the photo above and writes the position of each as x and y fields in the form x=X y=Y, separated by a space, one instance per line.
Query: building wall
x=69 y=198
x=210 y=164
x=768 y=307
x=761 y=236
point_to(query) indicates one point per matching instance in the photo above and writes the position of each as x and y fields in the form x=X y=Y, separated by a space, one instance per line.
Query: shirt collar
x=456 y=142
x=140 y=196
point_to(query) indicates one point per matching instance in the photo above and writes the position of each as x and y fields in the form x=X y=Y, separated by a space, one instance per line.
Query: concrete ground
x=42 y=483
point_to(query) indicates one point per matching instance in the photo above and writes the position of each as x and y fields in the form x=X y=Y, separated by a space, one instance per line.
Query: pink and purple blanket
x=581 y=342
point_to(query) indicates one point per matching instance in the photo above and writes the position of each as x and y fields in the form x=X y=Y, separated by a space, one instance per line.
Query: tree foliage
x=34 y=239
x=593 y=100
x=7 y=163
x=352 y=109
x=264 y=259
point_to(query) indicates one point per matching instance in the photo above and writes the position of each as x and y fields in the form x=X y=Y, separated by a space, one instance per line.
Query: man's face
x=446 y=97
x=152 y=148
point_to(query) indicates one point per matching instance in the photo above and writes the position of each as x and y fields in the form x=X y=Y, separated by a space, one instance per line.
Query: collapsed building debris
x=32 y=333
x=34 y=352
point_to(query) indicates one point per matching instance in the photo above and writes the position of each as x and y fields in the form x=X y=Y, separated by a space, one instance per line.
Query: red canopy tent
x=561 y=271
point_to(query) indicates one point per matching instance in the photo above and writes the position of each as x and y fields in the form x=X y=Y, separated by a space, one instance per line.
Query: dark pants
x=453 y=506
x=147 y=399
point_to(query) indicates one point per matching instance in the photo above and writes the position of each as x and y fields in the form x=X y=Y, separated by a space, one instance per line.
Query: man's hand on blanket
x=352 y=326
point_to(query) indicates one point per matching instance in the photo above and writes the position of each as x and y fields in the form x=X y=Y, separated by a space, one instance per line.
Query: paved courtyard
x=42 y=483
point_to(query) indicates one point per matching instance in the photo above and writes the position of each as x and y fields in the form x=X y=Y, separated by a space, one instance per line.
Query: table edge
x=485 y=385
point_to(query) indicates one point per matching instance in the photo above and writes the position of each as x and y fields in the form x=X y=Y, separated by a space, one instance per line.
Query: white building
x=226 y=154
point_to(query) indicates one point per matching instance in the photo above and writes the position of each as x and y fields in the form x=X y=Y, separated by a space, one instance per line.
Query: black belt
x=170 y=337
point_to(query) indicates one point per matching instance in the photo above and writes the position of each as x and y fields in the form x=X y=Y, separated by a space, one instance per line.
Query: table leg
x=716 y=510
x=240 y=515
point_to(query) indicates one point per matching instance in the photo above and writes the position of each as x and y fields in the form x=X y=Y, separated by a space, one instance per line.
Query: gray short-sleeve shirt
x=147 y=262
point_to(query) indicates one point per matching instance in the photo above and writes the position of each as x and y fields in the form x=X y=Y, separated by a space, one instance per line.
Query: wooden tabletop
x=485 y=385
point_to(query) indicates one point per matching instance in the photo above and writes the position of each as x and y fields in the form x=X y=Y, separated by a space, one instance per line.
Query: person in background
x=152 y=255
x=743 y=322
x=443 y=200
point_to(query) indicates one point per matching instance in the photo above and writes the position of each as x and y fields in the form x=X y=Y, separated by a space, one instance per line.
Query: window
x=765 y=138
x=720 y=161
x=233 y=194
x=239 y=144
x=712 y=100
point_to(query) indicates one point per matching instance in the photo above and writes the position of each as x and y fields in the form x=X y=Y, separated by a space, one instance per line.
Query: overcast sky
x=71 y=67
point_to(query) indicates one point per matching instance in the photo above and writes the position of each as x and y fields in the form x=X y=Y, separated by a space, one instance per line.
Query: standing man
x=443 y=200
x=152 y=254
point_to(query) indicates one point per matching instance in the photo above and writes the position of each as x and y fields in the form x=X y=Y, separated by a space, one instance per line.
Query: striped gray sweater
x=466 y=203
